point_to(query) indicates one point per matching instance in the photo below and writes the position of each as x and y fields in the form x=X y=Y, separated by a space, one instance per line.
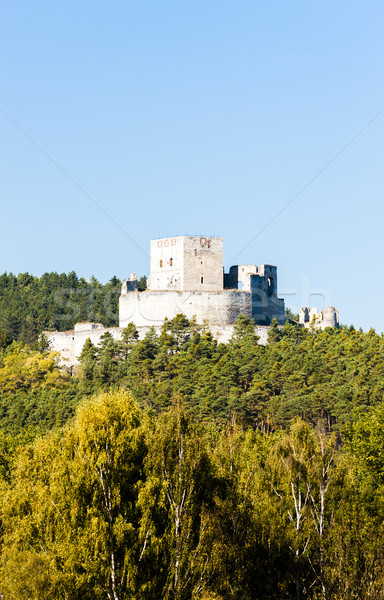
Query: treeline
x=178 y=468
x=319 y=376
x=30 y=305
x=125 y=505
x=36 y=394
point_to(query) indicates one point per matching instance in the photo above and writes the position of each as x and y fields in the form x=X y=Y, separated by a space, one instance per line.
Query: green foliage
x=177 y=502
x=30 y=305
x=5 y=339
x=291 y=315
x=197 y=470
x=72 y=508
x=36 y=394
x=120 y=505
x=142 y=283
x=23 y=369
x=274 y=333
x=321 y=376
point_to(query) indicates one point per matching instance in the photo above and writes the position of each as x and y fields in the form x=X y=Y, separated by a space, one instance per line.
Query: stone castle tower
x=187 y=276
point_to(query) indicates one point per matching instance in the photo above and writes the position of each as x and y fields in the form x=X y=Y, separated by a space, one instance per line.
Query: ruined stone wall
x=238 y=277
x=151 y=307
x=70 y=343
x=262 y=283
x=130 y=285
x=244 y=273
x=310 y=317
x=231 y=278
x=266 y=305
x=63 y=342
x=330 y=317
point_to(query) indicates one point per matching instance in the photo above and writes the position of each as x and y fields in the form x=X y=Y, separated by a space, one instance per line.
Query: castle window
x=201 y=279
x=170 y=262
x=161 y=263
x=270 y=286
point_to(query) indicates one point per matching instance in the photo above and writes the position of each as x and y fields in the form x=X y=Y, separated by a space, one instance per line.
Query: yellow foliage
x=25 y=369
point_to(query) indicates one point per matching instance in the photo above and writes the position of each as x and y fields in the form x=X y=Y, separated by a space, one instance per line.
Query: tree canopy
x=179 y=468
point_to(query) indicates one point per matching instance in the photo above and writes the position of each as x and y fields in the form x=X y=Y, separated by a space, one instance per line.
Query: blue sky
x=204 y=117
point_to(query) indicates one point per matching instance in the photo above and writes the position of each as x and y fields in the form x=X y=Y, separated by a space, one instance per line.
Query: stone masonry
x=187 y=277
x=309 y=317
x=70 y=343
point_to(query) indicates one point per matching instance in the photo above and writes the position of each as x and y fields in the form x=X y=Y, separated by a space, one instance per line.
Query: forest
x=174 y=467
x=30 y=305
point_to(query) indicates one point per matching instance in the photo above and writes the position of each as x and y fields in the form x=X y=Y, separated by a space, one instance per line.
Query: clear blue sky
x=202 y=117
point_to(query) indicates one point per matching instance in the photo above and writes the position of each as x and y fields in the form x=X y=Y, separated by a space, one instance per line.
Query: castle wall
x=262 y=284
x=151 y=307
x=231 y=279
x=329 y=317
x=266 y=305
x=304 y=315
x=70 y=343
x=94 y=334
x=63 y=342
x=130 y=285
x=244 y=273
x=239 y=277
x=265 y=309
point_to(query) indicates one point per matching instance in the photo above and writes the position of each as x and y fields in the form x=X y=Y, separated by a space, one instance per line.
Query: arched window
x=170 y=262
x=161 y=263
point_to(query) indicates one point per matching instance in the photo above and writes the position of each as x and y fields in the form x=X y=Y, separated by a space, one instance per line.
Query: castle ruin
x=309 y=317
x=187 y=276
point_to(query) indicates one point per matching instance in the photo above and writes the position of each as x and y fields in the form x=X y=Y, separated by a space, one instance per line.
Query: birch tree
x=176 y=502
x=290 y=482
x=73 y=507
